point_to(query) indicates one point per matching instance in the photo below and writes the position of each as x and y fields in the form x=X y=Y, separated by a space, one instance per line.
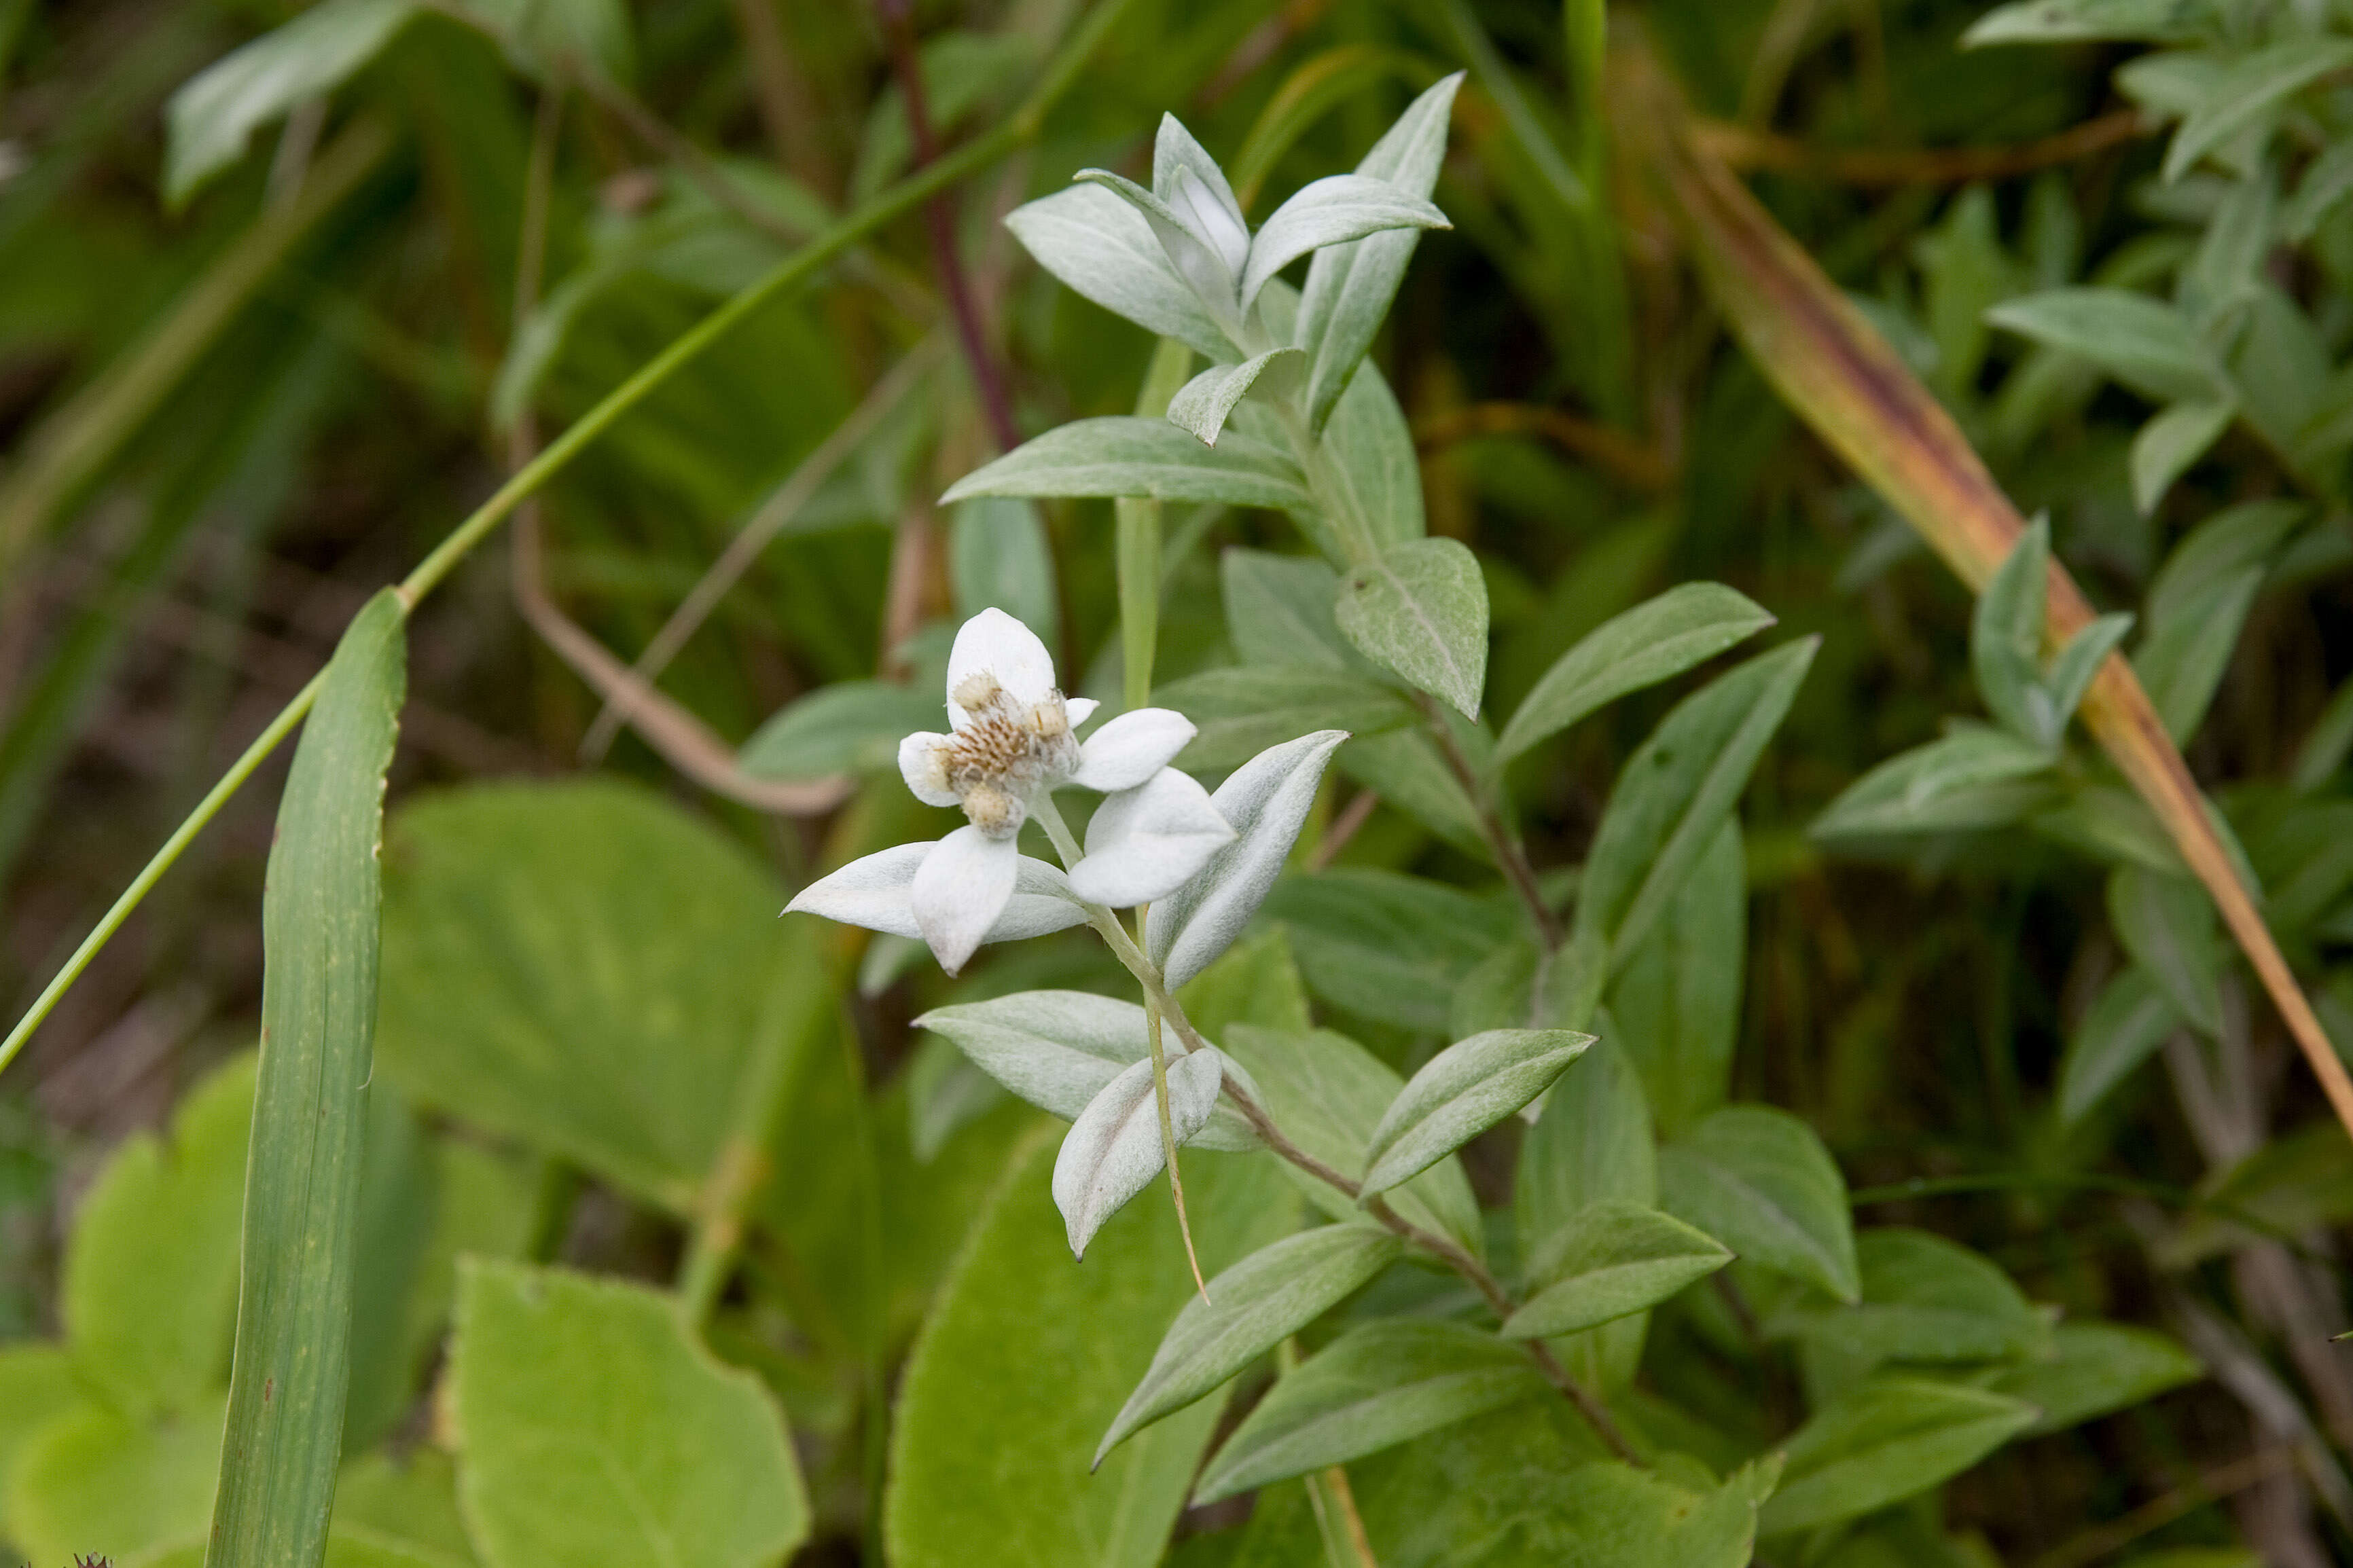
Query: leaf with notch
x=1421 y=611
x=1460 y=1093
x=1373 y=1387
x=1248 y=1310
x=1613 y=1259
x=1759 y=1179
x=1122 y=455
x=1654 y=641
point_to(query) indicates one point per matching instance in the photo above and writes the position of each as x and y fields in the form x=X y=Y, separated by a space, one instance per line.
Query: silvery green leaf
x=1886 y=1440
x=1331 y=211
x=1243 y=710
x=1760 y=1181
x=1372 y=445
x=1406 y=769
x=2099 y=1368
x=851 y=726
x=1655 y=640
x=2169 y=444
x=2167 y=925
x=1592 y=1142
x=1203 y=403
x=1113 y=1150
x=1460 y=1093
x=1193 y=254
x=1057 y=1049
x=1422 y=610
x=2079 y=662
x=1376 y=1386
x=1205 y=198
x=2072 y=21
x=1676 y=790
x=2124 y=1027
x=874 y=892
x=1266 y=800
x=214 y=113
x=2146 y=343
x=1349 y=286
x=2200 y=602
x=1104 y=249
x=1144 y=843
x=2252 y=87
x=2006 y=638
x=1126 y=456
x=1249 y=1309
x=1611 y=1260
x=1975 y=777
x=1279 y=611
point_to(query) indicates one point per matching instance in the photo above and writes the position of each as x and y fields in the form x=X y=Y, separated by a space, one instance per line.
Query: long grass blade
x=321 y=926
x=1835 y=370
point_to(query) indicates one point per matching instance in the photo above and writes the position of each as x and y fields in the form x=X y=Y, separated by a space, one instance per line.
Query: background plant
x=697 y=1162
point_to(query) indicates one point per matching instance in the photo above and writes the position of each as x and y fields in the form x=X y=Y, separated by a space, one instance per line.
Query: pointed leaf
x=1370 y=1389
x=1113 y=1150
x=1240 y=712
x=2249 y=89
x=2006 y=640
x=1202 y=404
x=1683 y=626
x=2072 y=671
x=2123 y=1028
x=1460 y=1093
x=851 y=726
x=1759 y=1181
x=1104 y=249
x=2200 y=602
x=2168 y=924
x=2071 y=21
x=1266 y=801
x=2146 y=343
x=1331 y=211
x=1887 y=1440
x=2098 y=1368
x=1421 y=611
x=1591 y=1144
x=1126 y=456
x=1612 y=1261
x=2169 y=444
x=1251 y=1308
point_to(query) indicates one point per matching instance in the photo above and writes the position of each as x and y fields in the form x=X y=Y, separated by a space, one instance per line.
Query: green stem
x=789 y=274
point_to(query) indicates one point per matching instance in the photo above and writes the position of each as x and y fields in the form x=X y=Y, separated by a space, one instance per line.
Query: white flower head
x=1009 y=744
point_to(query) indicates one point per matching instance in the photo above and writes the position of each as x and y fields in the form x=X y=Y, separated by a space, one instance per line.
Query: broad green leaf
x=320 y=916
x=1266 y=800
x=1676 y=1001
x=2167 y=925
x=1676 y=792
x=1759 y=1181
x=1104 y=249
x=1328 y=1093
x=594 y=1429
x=1279 y=612
x=1124 y=455
x=2096 y=1368
x=1349 y=286
x=2169 y=443
x=1460 y=1093
x=98 y=1476
x=1612 y=1260
x=851 y=726
x=1034 y=1355
x=1202 y=404
x=1060 y=1049
x=1388 y=946
x=1000 y=557
x=1250 y=1309
x=2006 y=640
x=585 y=967
x=1242 y=711
x=1591 y=1144
x=1974 y=777
x=2068 y=21
x=2121 y=1028
x=1684 y=626
x=2146 y=343
x=1375 y=1386
x=213 y=116
x=2250 y=88
x=1887 y=1440
x=1925 y=1301
x=1114 y=1149
x=2200 y=600
x=1422 y=610
x=149 y=1292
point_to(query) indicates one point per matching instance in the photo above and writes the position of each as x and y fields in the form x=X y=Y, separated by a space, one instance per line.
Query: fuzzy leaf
x=1975 y=777
x=2168 y=924
x=2006 y=640
x=1421 y=611
x=1113 y=1150
x=1759 y=1181
x=1202 y=404
x=2169 y=443
x=1126 y=456
x=1885 y=1441
x=2121 y=1029
x=1683 y=626
x=1248 y=709
x=1460 y=1093
x=1104 y=249
x=1612 y=1261
x=1332 y=210
x=2146 y=343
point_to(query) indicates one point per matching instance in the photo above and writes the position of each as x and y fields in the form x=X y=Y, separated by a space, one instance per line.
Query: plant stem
x=786 y=275
x=1501 y=841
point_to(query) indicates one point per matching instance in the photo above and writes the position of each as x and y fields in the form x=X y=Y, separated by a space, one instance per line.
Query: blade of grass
x=72 y=444
x=1845 y=381
x=320 y=910
x=786 y=275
